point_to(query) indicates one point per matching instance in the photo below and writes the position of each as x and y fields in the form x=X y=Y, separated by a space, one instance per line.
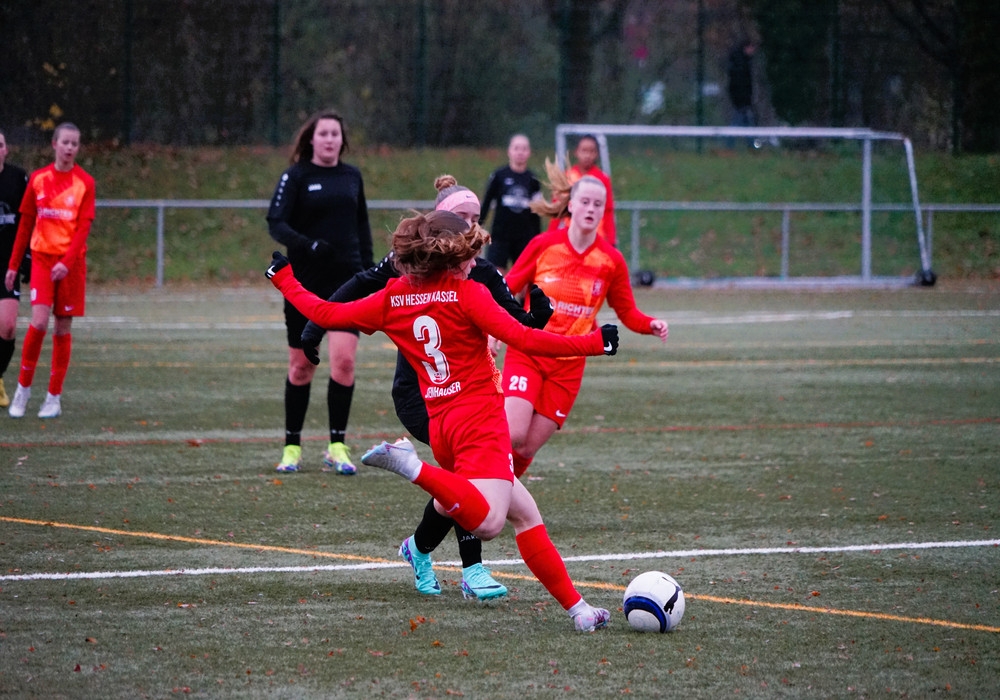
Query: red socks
x=521 y=464
x=465 y=504
x=62 y=347
x=30 y=350
x=545 y=563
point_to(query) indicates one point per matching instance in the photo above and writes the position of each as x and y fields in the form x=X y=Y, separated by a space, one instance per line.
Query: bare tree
x=960 y=35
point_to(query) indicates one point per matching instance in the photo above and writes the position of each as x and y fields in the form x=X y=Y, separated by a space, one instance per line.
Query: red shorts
x=549 y=384
x=67 y=297
x=472 y=438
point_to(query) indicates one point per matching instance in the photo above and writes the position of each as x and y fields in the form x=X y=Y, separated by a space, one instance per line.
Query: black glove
x=278 y=261
x=312 y=336
x=540 y=307
x=320 y=248
x=312 y=353
x=609 y=334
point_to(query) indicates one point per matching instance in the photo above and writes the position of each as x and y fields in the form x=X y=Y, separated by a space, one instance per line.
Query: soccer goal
x=768 y=135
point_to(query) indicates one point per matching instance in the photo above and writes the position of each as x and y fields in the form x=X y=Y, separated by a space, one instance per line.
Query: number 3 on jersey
x=426 y=331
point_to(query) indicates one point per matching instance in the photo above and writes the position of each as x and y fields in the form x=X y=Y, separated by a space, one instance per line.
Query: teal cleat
x=424 y=578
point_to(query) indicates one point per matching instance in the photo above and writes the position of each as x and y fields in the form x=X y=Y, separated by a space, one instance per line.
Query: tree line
x=448 y=72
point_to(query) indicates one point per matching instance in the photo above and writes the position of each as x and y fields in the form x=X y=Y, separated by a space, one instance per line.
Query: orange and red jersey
x=441 y=328
x=56 y=214
x=578 y=283
x=606 y=229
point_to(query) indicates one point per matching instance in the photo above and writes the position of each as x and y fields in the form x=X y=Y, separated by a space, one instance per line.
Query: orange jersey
x=56 y=213
x=578 y=283
x=606 y=229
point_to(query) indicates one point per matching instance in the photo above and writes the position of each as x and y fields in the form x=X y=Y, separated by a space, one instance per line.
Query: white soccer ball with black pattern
x=653 y=602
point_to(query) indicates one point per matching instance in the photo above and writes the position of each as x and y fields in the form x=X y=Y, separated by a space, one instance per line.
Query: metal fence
x=635 y=208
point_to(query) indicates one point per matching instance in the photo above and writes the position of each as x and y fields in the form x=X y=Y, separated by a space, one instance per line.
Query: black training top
x=13 y=181
x=512 y=192
x=313 y=203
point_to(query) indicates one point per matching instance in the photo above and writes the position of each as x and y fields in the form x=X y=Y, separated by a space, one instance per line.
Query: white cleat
x=590 y=618
x=51 y=406
x=19 y=403
x=399 y=457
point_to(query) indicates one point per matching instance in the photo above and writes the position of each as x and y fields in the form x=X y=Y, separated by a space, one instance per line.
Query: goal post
x=866 y=137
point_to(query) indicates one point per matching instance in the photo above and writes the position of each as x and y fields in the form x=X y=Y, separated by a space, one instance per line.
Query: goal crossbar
x=865 y=136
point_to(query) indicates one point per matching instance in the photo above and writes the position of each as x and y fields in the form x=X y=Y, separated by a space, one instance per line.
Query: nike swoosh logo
x=548 y=279
x=609 y=347
x=560 y=414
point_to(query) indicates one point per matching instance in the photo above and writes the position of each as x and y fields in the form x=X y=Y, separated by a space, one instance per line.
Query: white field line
x=628 y=556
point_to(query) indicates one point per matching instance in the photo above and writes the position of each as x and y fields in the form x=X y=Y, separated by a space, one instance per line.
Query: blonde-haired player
x=578 y=270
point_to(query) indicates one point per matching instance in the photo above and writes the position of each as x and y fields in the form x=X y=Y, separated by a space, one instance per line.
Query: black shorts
x=295 y=323
x=14 y=293
x=503 y=249
x=408 y=402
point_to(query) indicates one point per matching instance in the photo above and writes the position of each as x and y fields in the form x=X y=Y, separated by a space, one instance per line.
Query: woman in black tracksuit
x=318 y=212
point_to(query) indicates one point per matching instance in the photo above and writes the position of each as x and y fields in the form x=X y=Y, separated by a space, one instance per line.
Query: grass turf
x=787 y=456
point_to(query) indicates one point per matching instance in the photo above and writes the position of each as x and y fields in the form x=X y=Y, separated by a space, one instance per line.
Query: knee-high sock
x=521 y=464
x=545 y=563
x=6 y=352
x=431 y=529
x=338 y=402
x=62 y=348
x=464 y=503
x=296 y=404
x=470 y=547
x=30 y=351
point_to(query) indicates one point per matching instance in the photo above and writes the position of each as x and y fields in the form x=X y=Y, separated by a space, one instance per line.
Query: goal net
x=773 y=241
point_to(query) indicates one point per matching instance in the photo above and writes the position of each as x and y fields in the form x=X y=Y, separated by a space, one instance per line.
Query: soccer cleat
x=4 y=399
x=477 y=583
x=424 y=578
x=291 y=459
x=20 y=401
x=51 y=406
x=590 y=618
x=399 y=457
x=337 y=458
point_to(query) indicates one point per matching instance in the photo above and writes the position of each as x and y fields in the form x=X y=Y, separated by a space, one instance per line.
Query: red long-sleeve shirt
x=56 y=214
x=441 y=327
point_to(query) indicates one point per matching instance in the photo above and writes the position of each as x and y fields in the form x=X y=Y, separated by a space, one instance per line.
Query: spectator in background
x=56 y=214
x=512 y=187
x=12 y=185
x=586 y=154
x=740 y=73
x=320 y=214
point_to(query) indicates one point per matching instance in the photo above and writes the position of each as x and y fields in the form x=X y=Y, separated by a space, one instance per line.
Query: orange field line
x=794 y=607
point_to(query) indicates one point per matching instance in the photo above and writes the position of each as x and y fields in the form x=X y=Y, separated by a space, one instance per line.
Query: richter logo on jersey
x=578 y=310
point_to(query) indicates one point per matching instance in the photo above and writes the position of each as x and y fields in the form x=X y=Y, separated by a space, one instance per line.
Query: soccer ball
x=654 y=602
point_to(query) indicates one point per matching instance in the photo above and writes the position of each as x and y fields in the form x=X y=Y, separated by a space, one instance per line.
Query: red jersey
x=441 y=327
x=578 y=283
x=606 y=229
x=56 y=213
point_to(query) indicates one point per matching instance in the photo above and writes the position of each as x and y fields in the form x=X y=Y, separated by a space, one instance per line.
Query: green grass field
x=817 y=469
